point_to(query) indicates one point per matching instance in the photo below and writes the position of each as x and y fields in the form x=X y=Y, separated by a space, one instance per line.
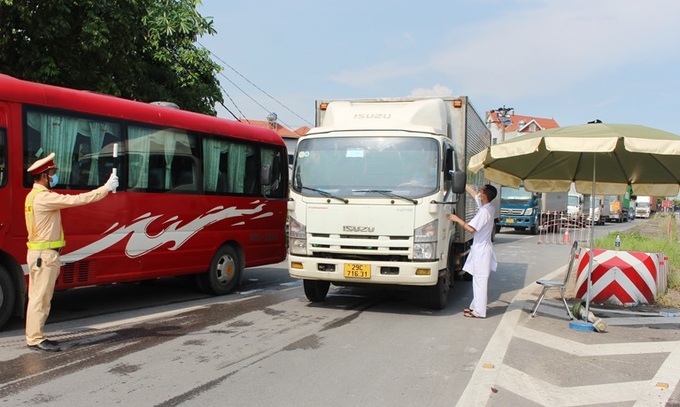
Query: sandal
x=467 y=310
x=472 y=315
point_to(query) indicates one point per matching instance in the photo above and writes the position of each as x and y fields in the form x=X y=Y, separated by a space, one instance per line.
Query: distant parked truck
x=631 y=210
x=577 y=204
x=653 y=204
x=574 y=204
x=600 y=213
x=645 y=206
x=618 y=207
x=522 y=210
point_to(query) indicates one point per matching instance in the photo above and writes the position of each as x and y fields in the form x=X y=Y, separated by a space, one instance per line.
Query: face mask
x=54 y=180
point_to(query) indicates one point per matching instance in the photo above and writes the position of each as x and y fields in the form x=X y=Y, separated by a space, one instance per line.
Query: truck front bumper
x=517 y=221
x=364 y=272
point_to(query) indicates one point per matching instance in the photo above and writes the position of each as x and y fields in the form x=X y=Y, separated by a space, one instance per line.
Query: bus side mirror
x=266 y=174
x=459 y=179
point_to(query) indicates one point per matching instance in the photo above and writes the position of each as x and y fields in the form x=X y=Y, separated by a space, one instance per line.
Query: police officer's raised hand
x=112 y=183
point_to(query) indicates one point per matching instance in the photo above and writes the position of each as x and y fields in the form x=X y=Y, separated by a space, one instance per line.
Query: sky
x=573 y=61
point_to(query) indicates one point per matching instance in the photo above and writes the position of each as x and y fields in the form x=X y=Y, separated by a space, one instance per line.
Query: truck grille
x=361 y=247
x=515 y=212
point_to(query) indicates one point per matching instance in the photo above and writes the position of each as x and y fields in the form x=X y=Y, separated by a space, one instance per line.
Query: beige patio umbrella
x=618 y=154
x=599 y=158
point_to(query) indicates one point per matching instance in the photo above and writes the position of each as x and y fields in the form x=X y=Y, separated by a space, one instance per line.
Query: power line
x=232 y=101
x=254 y=85
x=244 y=92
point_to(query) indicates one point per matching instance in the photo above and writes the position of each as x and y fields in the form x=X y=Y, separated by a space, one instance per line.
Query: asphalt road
x=160 y=343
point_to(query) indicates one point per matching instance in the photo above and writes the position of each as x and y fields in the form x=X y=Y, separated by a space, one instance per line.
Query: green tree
x=136 y=49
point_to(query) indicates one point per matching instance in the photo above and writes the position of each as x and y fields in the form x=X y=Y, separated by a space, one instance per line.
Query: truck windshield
x=512 y=195
x=572 y=200
x=609 y=199
x=367 y=166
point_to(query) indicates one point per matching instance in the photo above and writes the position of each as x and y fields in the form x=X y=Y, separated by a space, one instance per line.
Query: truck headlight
x=529 y=212
x=425 y=241
x=297 y=237
x=424 y=251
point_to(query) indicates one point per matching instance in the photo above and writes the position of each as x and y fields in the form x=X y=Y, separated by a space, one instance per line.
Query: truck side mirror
x=459 y=179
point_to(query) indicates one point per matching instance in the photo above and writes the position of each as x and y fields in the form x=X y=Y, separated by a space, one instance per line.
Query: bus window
x=230 y=167
x=274 y=160
x=162 y=160
x=78 y=144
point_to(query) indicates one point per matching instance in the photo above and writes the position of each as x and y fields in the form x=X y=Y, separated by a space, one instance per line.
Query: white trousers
x=479 y=294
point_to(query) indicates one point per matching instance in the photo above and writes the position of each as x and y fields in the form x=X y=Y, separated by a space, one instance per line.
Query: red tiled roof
x=279 y=129
x=515 y=119
x=302 y=130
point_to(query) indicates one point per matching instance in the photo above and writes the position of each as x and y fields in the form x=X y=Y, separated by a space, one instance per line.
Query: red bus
x=198 y=195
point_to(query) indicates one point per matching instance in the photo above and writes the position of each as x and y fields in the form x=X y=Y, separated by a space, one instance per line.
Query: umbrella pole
x=592 y=243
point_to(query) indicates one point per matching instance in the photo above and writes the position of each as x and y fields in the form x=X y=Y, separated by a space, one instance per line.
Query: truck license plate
x=510 y=220
x=353 y=270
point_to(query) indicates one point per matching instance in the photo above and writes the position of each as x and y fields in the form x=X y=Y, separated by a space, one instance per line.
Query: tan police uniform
x=45 y=240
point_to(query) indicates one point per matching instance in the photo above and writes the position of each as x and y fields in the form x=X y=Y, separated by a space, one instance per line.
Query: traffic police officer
x=45 y=241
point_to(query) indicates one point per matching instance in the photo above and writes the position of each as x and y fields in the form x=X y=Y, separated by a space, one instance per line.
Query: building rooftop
x=278 y=128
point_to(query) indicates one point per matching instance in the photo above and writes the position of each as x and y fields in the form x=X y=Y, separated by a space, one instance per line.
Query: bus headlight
x=297 y=237
x=425 y=241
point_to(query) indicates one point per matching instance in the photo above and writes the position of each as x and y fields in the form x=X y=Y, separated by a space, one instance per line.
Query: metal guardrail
x=562 y=228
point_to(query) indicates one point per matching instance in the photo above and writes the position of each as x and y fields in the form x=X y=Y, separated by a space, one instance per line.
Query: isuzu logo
x=372 y=115
x=369 y=229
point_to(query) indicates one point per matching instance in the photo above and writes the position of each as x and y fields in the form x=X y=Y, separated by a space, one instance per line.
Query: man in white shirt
x=481 y=260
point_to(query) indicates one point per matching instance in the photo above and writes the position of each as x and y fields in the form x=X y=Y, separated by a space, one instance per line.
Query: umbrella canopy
x=612 y=156
x=599 y=158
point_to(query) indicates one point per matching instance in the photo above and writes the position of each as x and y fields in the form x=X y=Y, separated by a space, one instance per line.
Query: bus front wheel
x=316 y=290
x=7 y=296
x=224 y=273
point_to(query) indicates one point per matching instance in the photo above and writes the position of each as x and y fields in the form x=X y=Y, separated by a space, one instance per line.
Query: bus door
x=5 y=195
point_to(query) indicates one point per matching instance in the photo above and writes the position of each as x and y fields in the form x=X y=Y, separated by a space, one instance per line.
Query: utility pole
x=504 y=119
x=503 y=114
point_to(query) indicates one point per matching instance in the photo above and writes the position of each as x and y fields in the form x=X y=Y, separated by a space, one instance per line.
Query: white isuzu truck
x=372 y=185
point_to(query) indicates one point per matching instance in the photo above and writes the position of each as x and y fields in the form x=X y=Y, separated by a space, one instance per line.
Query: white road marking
x=491 y=372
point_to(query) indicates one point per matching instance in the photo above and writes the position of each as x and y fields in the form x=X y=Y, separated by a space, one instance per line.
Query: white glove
x=112 y=183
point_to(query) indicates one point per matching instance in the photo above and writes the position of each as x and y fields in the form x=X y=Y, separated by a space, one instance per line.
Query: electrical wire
x=234 y=103
x=253 y=84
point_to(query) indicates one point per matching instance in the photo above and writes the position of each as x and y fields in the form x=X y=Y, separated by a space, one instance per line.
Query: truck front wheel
x=316 y=290
x=438 y=294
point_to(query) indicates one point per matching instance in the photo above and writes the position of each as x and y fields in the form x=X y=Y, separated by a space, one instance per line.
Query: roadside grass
x=653 y=239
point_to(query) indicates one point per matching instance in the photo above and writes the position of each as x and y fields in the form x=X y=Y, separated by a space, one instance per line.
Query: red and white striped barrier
x=622 y=277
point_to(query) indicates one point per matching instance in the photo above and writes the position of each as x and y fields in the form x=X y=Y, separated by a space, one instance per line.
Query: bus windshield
x=367 y=166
